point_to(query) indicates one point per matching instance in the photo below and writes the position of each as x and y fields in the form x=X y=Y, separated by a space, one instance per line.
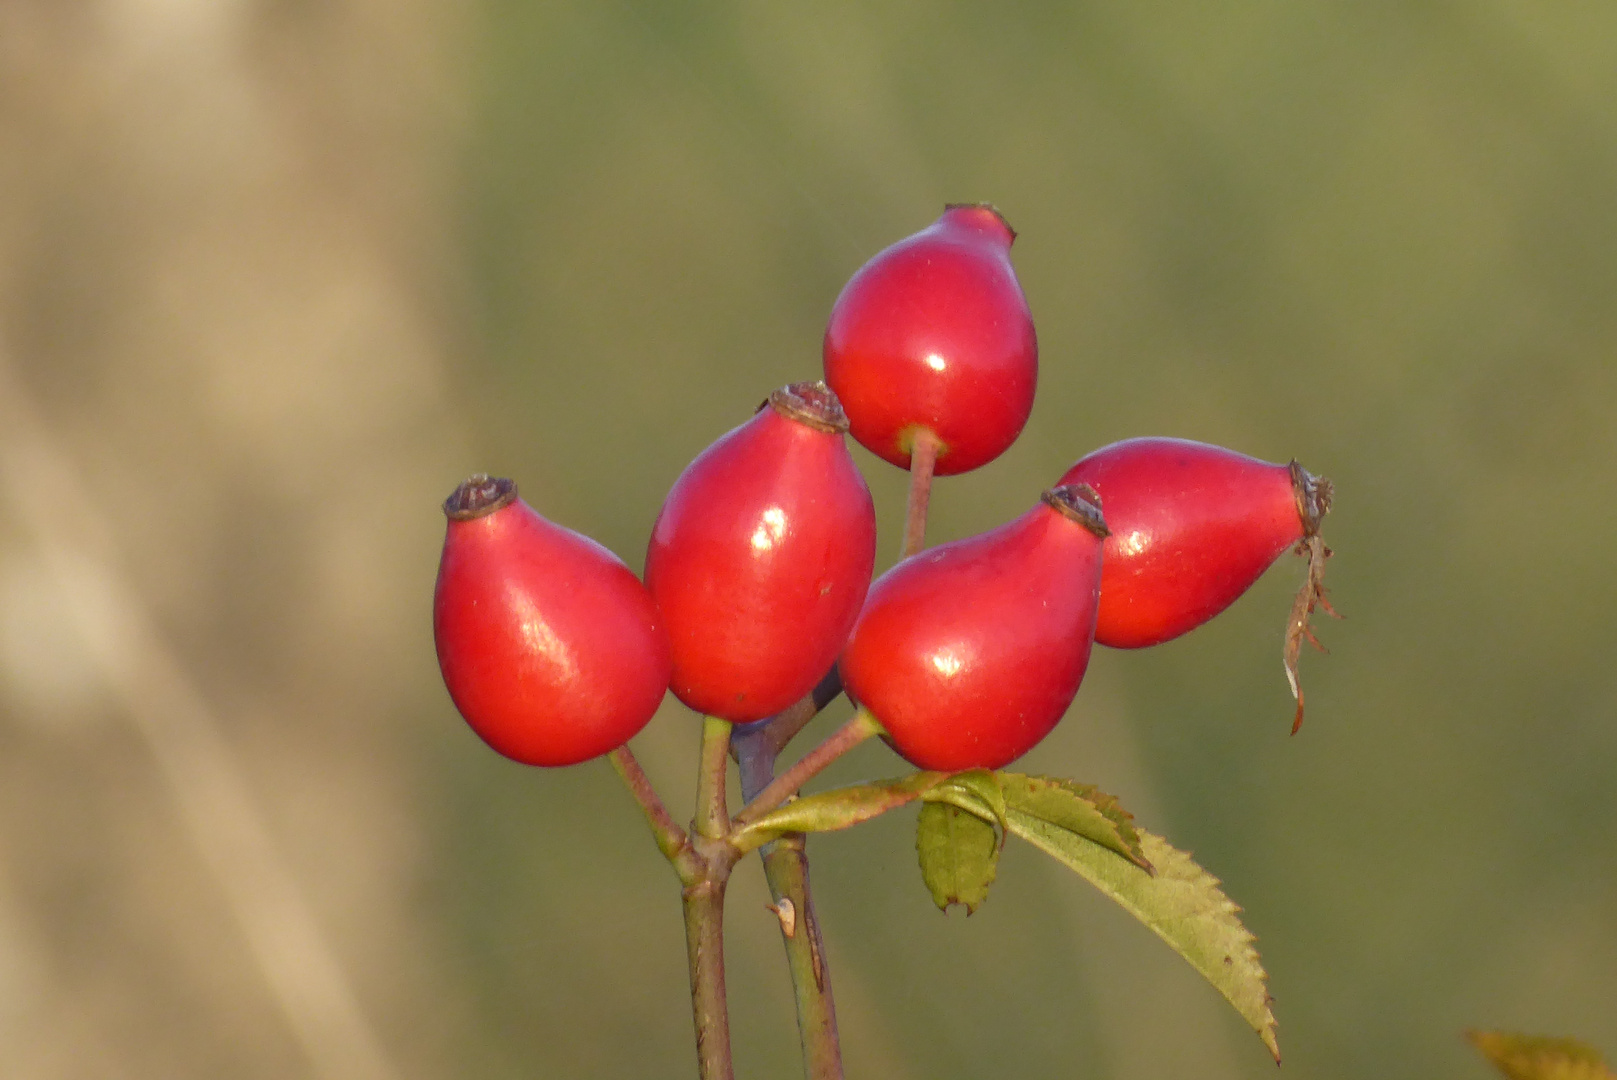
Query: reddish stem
x=671 y=839
x=839 y=742
x=923 y=460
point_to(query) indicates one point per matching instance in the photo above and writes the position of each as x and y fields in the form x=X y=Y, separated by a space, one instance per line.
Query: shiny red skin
x=934 y=333
x=550 y=647
x=759 y=563
x=970 y=652
x=1193 y=526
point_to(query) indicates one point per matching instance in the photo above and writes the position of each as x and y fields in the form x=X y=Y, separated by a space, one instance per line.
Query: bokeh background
x=275 y=275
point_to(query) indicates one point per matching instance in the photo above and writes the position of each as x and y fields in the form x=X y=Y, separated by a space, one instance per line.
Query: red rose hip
x=550 y=647
x=761 y=557
x=934 y=335
x=970 y=652
x=1193 y=526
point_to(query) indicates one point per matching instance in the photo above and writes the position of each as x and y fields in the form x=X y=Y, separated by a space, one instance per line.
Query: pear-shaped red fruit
x=1193 y=526
x=550 y=647
x=761 y=557
x=934 y=335
x=970 y=652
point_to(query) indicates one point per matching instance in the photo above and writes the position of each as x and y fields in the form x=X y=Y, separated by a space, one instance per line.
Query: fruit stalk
x=923 y=459
x=704 y=943
x=671 y=839
x=756 y=746
x=712 y=815
x=839 y=742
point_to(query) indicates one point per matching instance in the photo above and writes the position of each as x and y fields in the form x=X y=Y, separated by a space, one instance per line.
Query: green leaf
x=984 y=785
x=959 y=855
x=1535 y=1057
x=1181 y=903
x=1078 y=808
x=839 y=808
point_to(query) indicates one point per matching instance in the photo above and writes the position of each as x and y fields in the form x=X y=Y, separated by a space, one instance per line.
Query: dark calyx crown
x=811 y=403
x=479 y=496
x=1081 y=503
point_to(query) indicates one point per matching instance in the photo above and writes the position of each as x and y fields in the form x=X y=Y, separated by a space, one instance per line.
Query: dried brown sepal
x=480 y=495
x=1312 y=594
x=1081 y=503
x=1313 y=497
x=811 y=403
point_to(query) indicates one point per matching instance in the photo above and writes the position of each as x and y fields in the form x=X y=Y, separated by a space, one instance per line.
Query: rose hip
x=761 y=557
x=1193 y=526
x=933 y=337
x=550 y=647
x=970 y=652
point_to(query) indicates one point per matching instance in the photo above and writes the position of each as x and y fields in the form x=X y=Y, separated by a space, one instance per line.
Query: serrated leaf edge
x=1111 y=809
x=1262 y=1018
x=993 y=868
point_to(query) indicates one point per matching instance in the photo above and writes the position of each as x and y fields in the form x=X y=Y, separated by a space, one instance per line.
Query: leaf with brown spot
x=959 y=855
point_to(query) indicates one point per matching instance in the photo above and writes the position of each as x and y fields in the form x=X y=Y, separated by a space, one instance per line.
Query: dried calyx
x=480 y=495
x=1313 y=503
x=1313 y=498
x=1081 y=503
x=811 y=403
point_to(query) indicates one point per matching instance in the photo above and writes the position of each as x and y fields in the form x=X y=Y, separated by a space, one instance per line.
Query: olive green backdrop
x=1381 y=238
x=275 y=276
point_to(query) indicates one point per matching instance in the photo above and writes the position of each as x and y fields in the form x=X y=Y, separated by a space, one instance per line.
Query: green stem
x=704 y=904
x=712 y=815
x=839 y=742
x=704 y=943
x=923 y=459
x=787 y=871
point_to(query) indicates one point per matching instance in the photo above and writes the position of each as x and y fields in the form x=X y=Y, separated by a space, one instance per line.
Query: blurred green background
x=274 y=276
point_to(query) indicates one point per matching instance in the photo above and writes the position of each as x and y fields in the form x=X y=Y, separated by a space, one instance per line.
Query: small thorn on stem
x=786 y=912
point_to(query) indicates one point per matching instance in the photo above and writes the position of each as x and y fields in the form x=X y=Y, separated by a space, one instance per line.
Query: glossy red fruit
x=550 y=647
x=1193 y=526
x=934 y=334
x=761 y=557
x=970 y=652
